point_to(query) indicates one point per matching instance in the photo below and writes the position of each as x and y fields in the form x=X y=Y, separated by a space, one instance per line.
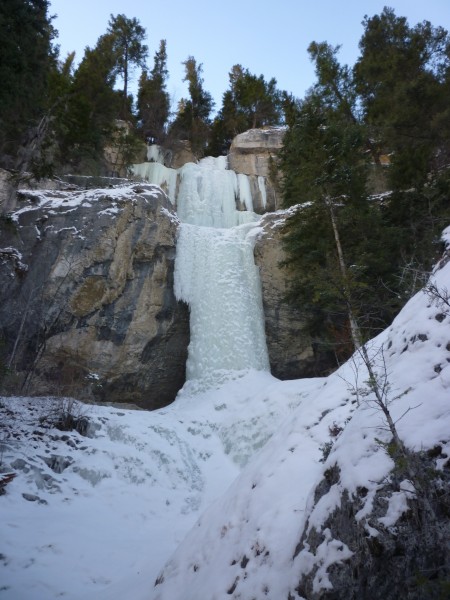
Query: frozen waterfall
x=216 y=275
x=215 y=272
x=208 y=192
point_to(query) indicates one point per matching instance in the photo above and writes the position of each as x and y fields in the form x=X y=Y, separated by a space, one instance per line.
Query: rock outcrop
x=251 y=151
x=86 y=302
x=380 y=560
x=12 y=181
x=254 y=153
x=291 y=352
x=179 y=155
x=116 y=153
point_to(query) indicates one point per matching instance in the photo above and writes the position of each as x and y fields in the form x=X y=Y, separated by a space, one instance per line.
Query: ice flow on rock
x=215 y=272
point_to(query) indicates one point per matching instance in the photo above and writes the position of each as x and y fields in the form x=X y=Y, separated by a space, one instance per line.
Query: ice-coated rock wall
x=187 y=184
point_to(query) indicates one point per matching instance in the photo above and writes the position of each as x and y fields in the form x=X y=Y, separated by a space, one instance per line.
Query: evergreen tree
x=349 y=255
x=250 y=102
x=193 y=118
x=26 y=59
x=153 y=101
x=400 y=78
x=258 y=99
x=129 y=50
x=332 y=241
x=86 y=120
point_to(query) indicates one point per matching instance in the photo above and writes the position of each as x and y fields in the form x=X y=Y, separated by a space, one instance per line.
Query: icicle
x=262 y=189
x=245 y=192
x=155 y=154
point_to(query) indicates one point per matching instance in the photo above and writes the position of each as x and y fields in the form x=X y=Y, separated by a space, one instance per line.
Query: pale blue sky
x=267 y=37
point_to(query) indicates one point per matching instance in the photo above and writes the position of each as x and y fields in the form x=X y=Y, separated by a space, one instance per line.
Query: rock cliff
x=291 y=351
x=86 y=301
x=254 y=153
x=251 y=151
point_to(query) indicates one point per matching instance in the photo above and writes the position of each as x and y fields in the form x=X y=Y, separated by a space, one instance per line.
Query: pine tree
x=250 y=102
x=128 y=49
x=403 y=80
x=332 y=241
x=400 y=77
x=258 y=99
x=86 y=119
x=153 y=101
x=193 y=118
x=350 y=255
x=26 y=59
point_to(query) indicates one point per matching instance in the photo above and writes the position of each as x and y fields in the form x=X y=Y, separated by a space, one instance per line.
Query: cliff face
x=381 y=561
x=251 y=151
x=86 y=302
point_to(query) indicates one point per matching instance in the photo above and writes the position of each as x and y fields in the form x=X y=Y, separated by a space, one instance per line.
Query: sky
x=266 y=37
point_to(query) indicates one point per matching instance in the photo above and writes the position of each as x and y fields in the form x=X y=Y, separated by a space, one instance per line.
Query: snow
x=11 y=254
x=398 y=504
x=272 y=500
x=128 y=494
x=222 y=478
x=72 y=200
x=170 y=215
x=446 y=236
x=329 y=552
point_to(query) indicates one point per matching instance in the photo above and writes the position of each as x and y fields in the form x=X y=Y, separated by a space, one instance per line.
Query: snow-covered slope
x=247 y=544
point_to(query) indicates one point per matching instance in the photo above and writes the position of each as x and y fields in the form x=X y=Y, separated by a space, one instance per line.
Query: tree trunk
x=354 y=329
x=8 y=193
x=32 y=146
x=125 y=85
